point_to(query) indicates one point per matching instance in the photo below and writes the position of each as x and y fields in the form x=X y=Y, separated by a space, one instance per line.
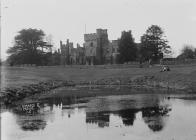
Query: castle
x=71 y=55
x=96 y=50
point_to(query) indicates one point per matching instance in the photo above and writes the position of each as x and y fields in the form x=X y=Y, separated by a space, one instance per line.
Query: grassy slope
x=18 y=76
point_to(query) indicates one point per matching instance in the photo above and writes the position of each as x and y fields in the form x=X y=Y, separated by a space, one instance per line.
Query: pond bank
x=12 y=95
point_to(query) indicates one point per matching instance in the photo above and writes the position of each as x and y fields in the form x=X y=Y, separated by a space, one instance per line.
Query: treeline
x=188 y=52
x=152 y=47
x=30 y=47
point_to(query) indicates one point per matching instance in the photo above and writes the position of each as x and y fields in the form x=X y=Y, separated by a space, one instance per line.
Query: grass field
x=19 y=76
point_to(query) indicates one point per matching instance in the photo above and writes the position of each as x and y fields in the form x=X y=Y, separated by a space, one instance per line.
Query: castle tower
x=103 y=42
x=96 y=46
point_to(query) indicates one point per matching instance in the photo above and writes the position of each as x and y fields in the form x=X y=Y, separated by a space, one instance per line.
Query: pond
x=137 y=117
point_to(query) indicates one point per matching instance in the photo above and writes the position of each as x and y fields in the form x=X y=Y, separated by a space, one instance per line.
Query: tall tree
x=154 y=44
x=29 y=47
x=195 y=52
x=127 y=48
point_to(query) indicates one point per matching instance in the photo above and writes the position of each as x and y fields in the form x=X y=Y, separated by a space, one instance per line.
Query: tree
x=56 y=58
x=29 y=47
x=127 y=48
x=153 y=44
x=188 y=52
x=195 y=52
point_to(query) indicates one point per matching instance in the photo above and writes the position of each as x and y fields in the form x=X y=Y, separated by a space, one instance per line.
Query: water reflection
x=103 y=118
x=32 y=125
x=155 y=117
x=30 y=119
x=134 y=116
x=127 y=116
x=100 y=118
x=97 y=111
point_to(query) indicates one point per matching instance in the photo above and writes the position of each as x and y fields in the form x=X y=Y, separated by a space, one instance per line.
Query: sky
x=66 y=19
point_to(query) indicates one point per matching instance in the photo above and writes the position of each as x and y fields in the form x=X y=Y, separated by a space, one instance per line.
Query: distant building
x=96 y=45
x=114 y=48
x=65 y=52
x=71 y=55
x=80 y=55
x=97 y=49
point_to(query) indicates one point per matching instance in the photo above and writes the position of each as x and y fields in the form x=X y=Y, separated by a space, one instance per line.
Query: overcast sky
x=67 y=18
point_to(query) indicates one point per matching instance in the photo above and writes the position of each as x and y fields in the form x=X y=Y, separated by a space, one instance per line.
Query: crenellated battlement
x=90 y=37
x=101 y=32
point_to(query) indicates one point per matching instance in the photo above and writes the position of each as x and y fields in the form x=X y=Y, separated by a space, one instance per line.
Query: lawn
x=19 y=76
